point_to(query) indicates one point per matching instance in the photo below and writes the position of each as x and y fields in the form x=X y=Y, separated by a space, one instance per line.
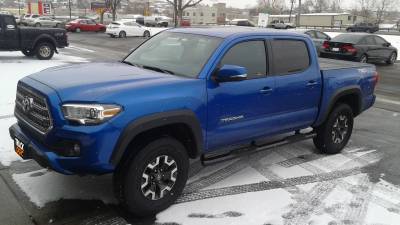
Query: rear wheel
x=58 y=25
x=38 y=25
x=28 y=52
x=122 y=34
x=146 y=34
x=335 y=132
x=392 y=58
x=153 y=179
x=44 y=51
x=349 y=30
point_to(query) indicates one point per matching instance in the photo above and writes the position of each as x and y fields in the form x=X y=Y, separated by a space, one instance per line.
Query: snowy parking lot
x=292 y=184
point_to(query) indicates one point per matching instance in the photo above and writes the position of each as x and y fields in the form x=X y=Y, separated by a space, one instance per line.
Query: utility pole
x=298 y=14
x=291 y=9
x=69 y=6
x=19 y=7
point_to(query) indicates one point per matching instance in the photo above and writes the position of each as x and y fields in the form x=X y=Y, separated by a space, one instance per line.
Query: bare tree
x=113 y=5
x=180 y=6
x=320 y=6
x=366 y=8
x=382 y=6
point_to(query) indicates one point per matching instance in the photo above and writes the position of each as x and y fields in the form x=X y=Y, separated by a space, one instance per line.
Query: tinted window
x=348 y=38
x=289 y=56
x=250 y=55
x=321 y=35
x=379 y=40
x=83 y=22
x=8 y=20
x=311 y=34
x=370 y=40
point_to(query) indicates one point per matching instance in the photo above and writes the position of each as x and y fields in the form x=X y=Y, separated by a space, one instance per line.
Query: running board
x=208 y=159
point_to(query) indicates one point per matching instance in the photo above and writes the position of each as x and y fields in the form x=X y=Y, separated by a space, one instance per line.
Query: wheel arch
x=44 y=38
x=182 y=125
x=350 y=95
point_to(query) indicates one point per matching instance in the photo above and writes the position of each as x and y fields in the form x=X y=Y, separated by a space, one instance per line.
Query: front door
x=9 y=34
x=238 y=111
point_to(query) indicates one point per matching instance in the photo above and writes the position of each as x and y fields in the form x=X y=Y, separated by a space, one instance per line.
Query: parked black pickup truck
x=42 y=42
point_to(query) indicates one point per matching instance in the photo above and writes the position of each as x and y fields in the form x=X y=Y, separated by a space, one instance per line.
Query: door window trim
x=272 y=69
x=267 y=61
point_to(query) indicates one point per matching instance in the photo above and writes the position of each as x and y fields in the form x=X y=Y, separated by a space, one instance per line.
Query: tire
x=58 y=25
x=349 y=30
x=28 y=53
x=78 y=30
x=44 y=51
x=335 y=132
x=122 y=34
x=146 y=34
x=112 y=36
x=38 y=25
x=134 y=181
x=368 y=31
x=363 y=58
x=392 y=58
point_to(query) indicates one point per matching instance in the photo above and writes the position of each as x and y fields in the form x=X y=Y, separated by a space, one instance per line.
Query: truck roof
x=227 y=31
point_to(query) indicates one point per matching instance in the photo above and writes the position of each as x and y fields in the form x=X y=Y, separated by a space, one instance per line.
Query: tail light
x=349 y=48
x=325 y=45
x=375 y=78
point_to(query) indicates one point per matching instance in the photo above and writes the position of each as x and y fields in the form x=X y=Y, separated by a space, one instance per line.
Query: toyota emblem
x=27 y=104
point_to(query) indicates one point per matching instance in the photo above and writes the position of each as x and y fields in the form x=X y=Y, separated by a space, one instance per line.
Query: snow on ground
x=14 y=66
x=44 y=186
x=7 y=154
x=393 y=39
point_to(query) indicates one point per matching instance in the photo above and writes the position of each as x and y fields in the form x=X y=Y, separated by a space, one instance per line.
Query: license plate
x=19 y=147
x=335 y=49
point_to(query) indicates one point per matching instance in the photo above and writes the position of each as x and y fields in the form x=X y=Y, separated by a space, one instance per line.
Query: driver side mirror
x=229 y=73
x=387 y=44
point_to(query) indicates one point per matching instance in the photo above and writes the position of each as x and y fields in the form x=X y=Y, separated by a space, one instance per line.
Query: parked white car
x=45 y=21
x=125 y=28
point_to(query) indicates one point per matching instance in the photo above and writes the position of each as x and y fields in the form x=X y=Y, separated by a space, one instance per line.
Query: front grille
x=31 y=108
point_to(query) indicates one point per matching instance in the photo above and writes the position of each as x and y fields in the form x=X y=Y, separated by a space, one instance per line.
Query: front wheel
x=336 y=131
x=38 y=25
x=153 y=179
x=146 y=34
x=363 y=59
x=122 y=34
x=44 y=51
x=392 y=58
x=77 y=30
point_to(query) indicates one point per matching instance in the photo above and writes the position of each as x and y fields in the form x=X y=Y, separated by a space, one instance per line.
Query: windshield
x=176 y=53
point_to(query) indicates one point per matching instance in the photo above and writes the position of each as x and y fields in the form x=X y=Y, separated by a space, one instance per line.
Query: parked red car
x=84 y=25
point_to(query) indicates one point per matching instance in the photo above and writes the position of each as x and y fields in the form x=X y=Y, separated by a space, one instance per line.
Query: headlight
x=90 y=113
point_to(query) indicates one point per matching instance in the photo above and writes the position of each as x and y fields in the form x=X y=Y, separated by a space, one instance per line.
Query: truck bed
x=333 y=64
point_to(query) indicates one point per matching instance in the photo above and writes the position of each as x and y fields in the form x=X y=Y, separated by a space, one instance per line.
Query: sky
x=248 y=3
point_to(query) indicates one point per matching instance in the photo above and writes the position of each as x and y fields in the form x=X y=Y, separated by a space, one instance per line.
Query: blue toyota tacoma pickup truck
x=186 y=93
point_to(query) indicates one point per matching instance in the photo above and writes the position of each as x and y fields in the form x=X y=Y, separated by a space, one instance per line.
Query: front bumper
x=93 y=159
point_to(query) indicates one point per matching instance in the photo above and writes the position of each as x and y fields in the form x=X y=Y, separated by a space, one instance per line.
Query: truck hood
x=91 y=81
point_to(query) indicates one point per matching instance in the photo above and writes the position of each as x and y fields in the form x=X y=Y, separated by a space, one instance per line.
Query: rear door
x=243 y=110
x=298 y=83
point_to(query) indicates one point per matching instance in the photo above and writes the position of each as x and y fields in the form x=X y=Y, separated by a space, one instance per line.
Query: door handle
x=312 y=83
x=266 y=90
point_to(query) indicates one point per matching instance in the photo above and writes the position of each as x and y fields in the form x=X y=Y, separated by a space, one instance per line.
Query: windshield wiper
x=158 y=69
x=132 y=64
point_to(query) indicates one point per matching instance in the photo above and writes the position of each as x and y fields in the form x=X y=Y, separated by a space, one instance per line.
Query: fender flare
x=47 y=37
x=353 y=89
x=146 y=123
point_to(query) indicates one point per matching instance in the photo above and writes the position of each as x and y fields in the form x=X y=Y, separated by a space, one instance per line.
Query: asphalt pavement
x=377 y=131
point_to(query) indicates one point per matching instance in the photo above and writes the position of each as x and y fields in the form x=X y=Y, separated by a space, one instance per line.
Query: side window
x=251 y=55
x=289 y=56
x=379 y=40
x=311 y=34
x=370 y=40
x=321 y=35
x=8 y=20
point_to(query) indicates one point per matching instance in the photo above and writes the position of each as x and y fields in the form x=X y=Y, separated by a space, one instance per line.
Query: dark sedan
x=359 y=47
